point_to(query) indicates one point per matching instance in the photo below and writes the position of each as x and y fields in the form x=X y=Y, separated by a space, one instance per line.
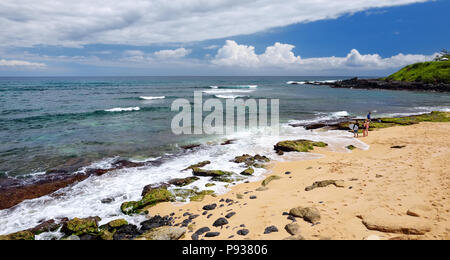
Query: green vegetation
x=411 y=120
x=150 y=199
x=426 y=72
x=298 y=146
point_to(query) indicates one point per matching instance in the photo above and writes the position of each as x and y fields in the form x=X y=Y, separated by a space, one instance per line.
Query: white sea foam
x=230 y=96
x=296 y=82
x=121 y=109
x=152 y=98
x=84 y=198
x=320 y=117
x=226 y=91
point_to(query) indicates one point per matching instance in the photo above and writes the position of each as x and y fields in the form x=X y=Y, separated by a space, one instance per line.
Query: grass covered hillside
x=426 y=72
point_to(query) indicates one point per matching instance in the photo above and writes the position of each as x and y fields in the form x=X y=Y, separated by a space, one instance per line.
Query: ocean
x=46 y=122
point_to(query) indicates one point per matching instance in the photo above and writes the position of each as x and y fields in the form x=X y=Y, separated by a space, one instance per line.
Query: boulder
x=419 y=211
x=80 y=227
x=47 y=226
x=311 y=215
x=198 y=165
x=183 y=182
x=210 y=173
x=155 y=222
x=270 y=229
x=270 y=179
x=127 y=232
x=380 y=220
x=152 y=198
x=115 y=224
x=298 y=146
x=163 y=233
x=248 y=172
x=292 y=229
x=152 y=187
x=22 y=235
x=220 y=222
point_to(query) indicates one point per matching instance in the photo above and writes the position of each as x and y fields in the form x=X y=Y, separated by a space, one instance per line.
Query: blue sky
x=227 y=37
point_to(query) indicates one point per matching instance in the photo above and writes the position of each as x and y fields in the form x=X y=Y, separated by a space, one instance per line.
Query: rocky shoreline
x=385 y=84
x=165 y=227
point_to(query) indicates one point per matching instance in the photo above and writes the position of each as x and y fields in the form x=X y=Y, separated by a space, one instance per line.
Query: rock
x=398 y=147
x=323 y=184
x=262 y=189
x=243 y=232
x=298 y=146
x=419 y=211
x=72 y=238
x=155 y=222
x=253 y=197
x=311 y=215
x=107 y=200
x=288 y=173
x=190 y=147
x=296 y=237
x=210 y=185
x=152 y=198
x=163 y=233
x=270 y=179
x=89 y=237
x=149 y=188
x=220 y=222
x=351 y=147
x=382 y=221
x=126 y=232
x=229 y=215
x=202 y=230
x=80 y=227
x=47 y=226
x=228 y=142
x=183 y=182
x=212 y=234
x=126 y=164
x=118 y=223
x=270 y=229
x=248 y=172
x=292 y=229
x=210 y=207
x=199 y=196
x=22 y=235
x=210 y=173
x=198 y=165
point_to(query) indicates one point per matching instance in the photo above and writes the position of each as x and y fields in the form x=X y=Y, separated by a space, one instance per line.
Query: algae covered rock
x=209 y=173
x=251 y=160
x=323 y=184
x=298 y=146
x=199 y=196
x=152 y=198
x=198 y=165
x=163 y=233
x=117 y=223
x=270 y=179
x=248 y=172
x=351 y=147
x=183 y=182
x=80 y=227
x=22 y=235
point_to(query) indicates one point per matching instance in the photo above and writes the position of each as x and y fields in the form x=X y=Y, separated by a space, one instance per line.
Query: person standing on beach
x=369 y=116
x=366 y=128
x=356 y=130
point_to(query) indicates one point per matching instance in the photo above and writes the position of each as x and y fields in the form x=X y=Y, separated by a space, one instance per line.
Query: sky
x=219 y=37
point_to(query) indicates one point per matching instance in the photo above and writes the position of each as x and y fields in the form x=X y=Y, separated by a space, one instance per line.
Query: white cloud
x=21 y=64
x=143 y=22
x=282 y=56
x=173 y=54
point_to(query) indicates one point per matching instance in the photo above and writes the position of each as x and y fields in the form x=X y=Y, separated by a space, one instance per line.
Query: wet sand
x=380 y=186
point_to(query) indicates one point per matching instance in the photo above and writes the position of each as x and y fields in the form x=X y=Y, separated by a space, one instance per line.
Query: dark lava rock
x=288 y=173
x=193 y=216
x=187 y=214
x=47 y=226
x=270 y=229
x=210 y=207
x=253 y=197
x=107 y=200
x=228 y=201
x=156 y=221
x=127 y=232
x=220 y=222
x=229 y=215
x=243 y=232
x=89 y=237
x=212 y=234
x=205 y=213
x=210 y=215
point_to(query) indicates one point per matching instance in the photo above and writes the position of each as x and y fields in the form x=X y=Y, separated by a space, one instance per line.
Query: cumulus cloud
x=142 y=22
x=173 y=54
x=281 y=55
x=21 y=64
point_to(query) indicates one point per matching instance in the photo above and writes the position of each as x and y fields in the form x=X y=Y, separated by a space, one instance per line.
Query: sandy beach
x=395 y=190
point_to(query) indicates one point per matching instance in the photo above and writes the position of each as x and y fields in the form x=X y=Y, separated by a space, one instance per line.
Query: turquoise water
x=47 y=121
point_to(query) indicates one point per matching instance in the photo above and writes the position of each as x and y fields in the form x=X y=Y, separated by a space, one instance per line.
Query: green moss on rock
x=209 y=173
x=150 y=199
x=79 y=226
x=248 y=172
x=298 y=146
x=22 y=235
x=270 y=179
x=198 y=165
